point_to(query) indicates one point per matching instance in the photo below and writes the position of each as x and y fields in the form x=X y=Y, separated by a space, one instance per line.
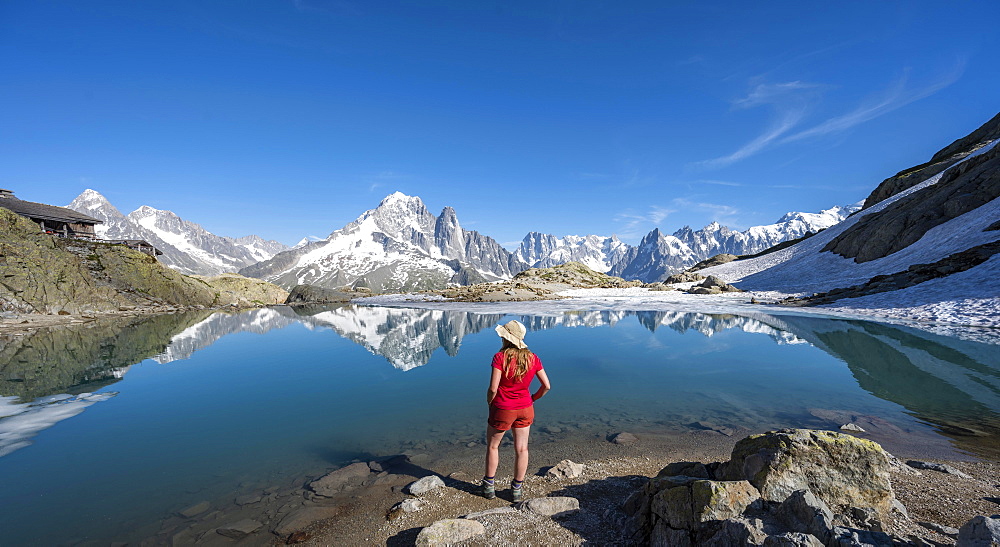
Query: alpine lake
x=109 y=429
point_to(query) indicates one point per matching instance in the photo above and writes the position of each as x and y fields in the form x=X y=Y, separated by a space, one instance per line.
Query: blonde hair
x=516 y=361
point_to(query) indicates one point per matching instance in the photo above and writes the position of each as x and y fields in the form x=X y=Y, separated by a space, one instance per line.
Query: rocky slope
x=186 y=246
x=398 y=246
x=925 y=245
x=45 y=274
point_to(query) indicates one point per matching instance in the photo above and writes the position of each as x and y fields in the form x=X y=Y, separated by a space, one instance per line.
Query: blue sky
x=290 y=118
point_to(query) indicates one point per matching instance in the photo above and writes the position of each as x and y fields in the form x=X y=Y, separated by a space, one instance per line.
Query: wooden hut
x=51 y=219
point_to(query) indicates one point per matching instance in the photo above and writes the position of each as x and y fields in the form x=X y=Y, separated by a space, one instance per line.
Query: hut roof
x=42 y=211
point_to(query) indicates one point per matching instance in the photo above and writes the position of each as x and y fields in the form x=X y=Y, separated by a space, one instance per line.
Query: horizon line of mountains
x=401 y=246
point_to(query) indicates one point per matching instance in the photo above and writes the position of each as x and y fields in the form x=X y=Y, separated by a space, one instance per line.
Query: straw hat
x=513 y=331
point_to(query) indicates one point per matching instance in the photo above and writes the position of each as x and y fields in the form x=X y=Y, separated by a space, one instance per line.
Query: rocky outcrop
x=962 y=188
x=943 y=159
x=305 y=294
x=788 y=487
x=574 y=274
x=236 y=290
x=46 y=274
x=712 y=285
x=842 y=470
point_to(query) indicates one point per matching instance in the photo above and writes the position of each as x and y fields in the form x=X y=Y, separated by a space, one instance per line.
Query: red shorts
x=503 y=419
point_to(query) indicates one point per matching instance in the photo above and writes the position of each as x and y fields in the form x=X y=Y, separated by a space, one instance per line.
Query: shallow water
x=112 y=426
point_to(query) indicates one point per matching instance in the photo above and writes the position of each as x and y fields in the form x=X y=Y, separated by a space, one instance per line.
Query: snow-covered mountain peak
x=186 y=246
x=397 y=215
x=92 y=198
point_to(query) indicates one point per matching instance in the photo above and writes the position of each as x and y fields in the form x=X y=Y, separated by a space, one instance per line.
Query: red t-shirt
x=514 y=395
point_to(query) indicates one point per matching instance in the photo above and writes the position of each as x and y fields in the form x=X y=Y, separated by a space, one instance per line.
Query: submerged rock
x=624 y=438
x=340 y=479
x=239 y=530
x=194 y=510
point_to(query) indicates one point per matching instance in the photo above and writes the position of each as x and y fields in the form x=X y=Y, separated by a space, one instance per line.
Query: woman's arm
x=544 y=388
x=494 y=386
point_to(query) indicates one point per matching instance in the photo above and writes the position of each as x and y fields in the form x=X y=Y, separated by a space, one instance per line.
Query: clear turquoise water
x=273 y=396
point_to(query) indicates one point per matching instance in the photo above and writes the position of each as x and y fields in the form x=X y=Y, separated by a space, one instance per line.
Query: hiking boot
x=487 y=490
x=516 y=492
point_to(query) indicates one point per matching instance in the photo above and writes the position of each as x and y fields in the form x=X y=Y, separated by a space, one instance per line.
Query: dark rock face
x=942 y=160
x=301 y=294
x=961 y=189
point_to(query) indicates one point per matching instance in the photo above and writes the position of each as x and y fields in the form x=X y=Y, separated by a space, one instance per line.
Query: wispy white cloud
x=789 y=100
x=637 y=224
x=792 y=101
x=895 y=97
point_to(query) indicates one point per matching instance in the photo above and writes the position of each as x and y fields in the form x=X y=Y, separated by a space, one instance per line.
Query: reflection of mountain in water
x=707 y=324
x=217 y=325
x=951 y=383
x=406 y=337
x=79 y=358
x=42 y=370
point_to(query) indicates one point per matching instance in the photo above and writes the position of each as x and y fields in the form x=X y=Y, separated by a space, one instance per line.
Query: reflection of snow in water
x=20 y=422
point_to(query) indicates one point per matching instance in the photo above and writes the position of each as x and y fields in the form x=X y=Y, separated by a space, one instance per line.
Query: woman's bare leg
x=521 y=452
x=493 y=438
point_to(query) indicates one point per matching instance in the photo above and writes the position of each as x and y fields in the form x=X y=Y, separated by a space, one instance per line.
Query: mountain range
x=401 y=246
x=186 y=246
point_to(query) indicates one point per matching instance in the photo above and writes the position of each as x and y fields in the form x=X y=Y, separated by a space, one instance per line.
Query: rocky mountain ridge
x=187 y=247
x=659 y=255
x=397 y=246
x=925 y=246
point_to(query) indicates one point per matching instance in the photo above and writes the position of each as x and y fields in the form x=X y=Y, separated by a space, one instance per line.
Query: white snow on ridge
x=802 y=268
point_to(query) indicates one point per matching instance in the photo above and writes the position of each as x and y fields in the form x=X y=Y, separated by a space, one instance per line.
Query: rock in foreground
x=450 y=531
x=788 y=487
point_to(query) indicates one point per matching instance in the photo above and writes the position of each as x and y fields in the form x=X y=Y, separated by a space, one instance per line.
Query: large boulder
x=788 y=487
x=841 y=470
x=980 y=532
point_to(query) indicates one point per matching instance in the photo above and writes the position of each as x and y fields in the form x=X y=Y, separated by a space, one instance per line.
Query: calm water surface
x=110 y=427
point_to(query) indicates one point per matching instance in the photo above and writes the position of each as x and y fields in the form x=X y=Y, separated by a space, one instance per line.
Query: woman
x=511 y=405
